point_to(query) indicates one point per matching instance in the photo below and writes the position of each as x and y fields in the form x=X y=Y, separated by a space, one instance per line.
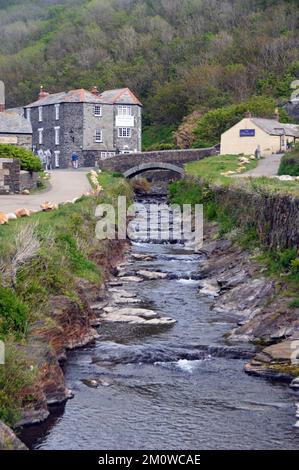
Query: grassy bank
x=242 y=209
x=40 y=257
x=211 y=169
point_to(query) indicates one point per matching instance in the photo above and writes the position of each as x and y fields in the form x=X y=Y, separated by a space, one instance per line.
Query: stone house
x=270 y=135
x=94 y=125
x=14 y=129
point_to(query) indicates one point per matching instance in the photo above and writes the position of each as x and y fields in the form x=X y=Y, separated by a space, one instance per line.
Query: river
x=179 y=387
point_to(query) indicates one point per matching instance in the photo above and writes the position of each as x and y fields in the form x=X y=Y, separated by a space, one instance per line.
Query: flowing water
x=180 y=387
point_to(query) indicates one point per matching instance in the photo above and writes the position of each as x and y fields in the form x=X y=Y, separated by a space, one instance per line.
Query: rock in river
x=140 y=316
x=152 y=275
x=131 y=279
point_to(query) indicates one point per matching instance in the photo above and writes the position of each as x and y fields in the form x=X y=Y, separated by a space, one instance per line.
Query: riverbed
x=170 y=387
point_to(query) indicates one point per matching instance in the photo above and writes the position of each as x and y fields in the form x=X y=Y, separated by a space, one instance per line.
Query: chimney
x=248 y=114
x=276 y=114
x=42 y=93
x=95 y=90
x=2 y=97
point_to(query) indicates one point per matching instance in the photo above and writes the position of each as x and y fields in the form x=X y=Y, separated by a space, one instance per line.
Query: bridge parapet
x=123 y=162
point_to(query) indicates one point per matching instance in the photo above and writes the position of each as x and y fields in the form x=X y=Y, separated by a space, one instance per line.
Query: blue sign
x=247 y=132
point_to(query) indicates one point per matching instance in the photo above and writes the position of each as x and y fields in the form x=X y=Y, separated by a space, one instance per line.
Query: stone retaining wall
x=9 y=175
x=275 y=216
x=12 y=179
x=28 y=180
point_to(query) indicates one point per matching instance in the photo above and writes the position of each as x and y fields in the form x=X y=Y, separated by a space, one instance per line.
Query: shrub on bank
x=15 y=377
x=13 y=314
x=28 y=160
x=289 y=164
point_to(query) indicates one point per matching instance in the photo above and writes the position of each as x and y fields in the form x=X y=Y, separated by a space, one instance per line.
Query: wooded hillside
x=176 y=55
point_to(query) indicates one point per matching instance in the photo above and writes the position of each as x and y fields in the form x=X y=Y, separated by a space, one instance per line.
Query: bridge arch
x=143 y=167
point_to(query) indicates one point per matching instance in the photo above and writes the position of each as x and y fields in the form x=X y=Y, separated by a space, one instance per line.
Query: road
x=64 y=185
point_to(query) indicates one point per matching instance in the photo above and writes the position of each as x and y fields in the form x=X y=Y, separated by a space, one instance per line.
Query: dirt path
x=64 y=185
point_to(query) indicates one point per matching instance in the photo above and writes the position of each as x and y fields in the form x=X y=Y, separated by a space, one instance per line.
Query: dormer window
x=40 y=114
x=97 y=110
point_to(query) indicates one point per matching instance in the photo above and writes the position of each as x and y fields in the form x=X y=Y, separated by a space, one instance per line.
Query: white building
x=269 y=135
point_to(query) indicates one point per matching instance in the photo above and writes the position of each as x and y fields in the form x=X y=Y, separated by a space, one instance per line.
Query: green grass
x=155 y=135
x=13 y=314
x=289 y=164
x=210 y=168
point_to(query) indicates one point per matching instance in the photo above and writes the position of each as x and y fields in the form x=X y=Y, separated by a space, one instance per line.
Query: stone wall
x=275 y=216
x=9 y=175
x=28 y=180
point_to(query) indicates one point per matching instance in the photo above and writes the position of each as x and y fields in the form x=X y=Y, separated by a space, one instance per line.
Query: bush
x=289 y=164
x=28 y=160
x=13 y=314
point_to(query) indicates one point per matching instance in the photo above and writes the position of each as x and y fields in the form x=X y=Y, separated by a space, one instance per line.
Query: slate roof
x=119 y=96
x=13 y=123
x=273 y=127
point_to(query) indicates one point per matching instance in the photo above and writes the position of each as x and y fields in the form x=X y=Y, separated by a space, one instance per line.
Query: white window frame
x=125 y=132
x=97 y=110
x=98 y=138
x=40 y=136
x=57 y=112
x=28 y=114
x=40 y=114
x=57 y=135
x=124 y=110
x=56 y=158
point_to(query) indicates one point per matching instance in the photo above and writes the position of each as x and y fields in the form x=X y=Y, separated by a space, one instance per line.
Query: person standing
x=48 y=156
x=42 y=157
x=75 y=160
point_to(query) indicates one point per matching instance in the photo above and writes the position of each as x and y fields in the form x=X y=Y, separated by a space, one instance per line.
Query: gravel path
x=64 y=185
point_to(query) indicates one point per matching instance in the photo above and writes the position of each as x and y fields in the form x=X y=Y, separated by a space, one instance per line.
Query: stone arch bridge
x=134 y=164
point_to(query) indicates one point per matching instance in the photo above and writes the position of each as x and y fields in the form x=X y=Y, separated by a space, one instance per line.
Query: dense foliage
x=28 y=160
x=290 y=163
x=176 y=55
